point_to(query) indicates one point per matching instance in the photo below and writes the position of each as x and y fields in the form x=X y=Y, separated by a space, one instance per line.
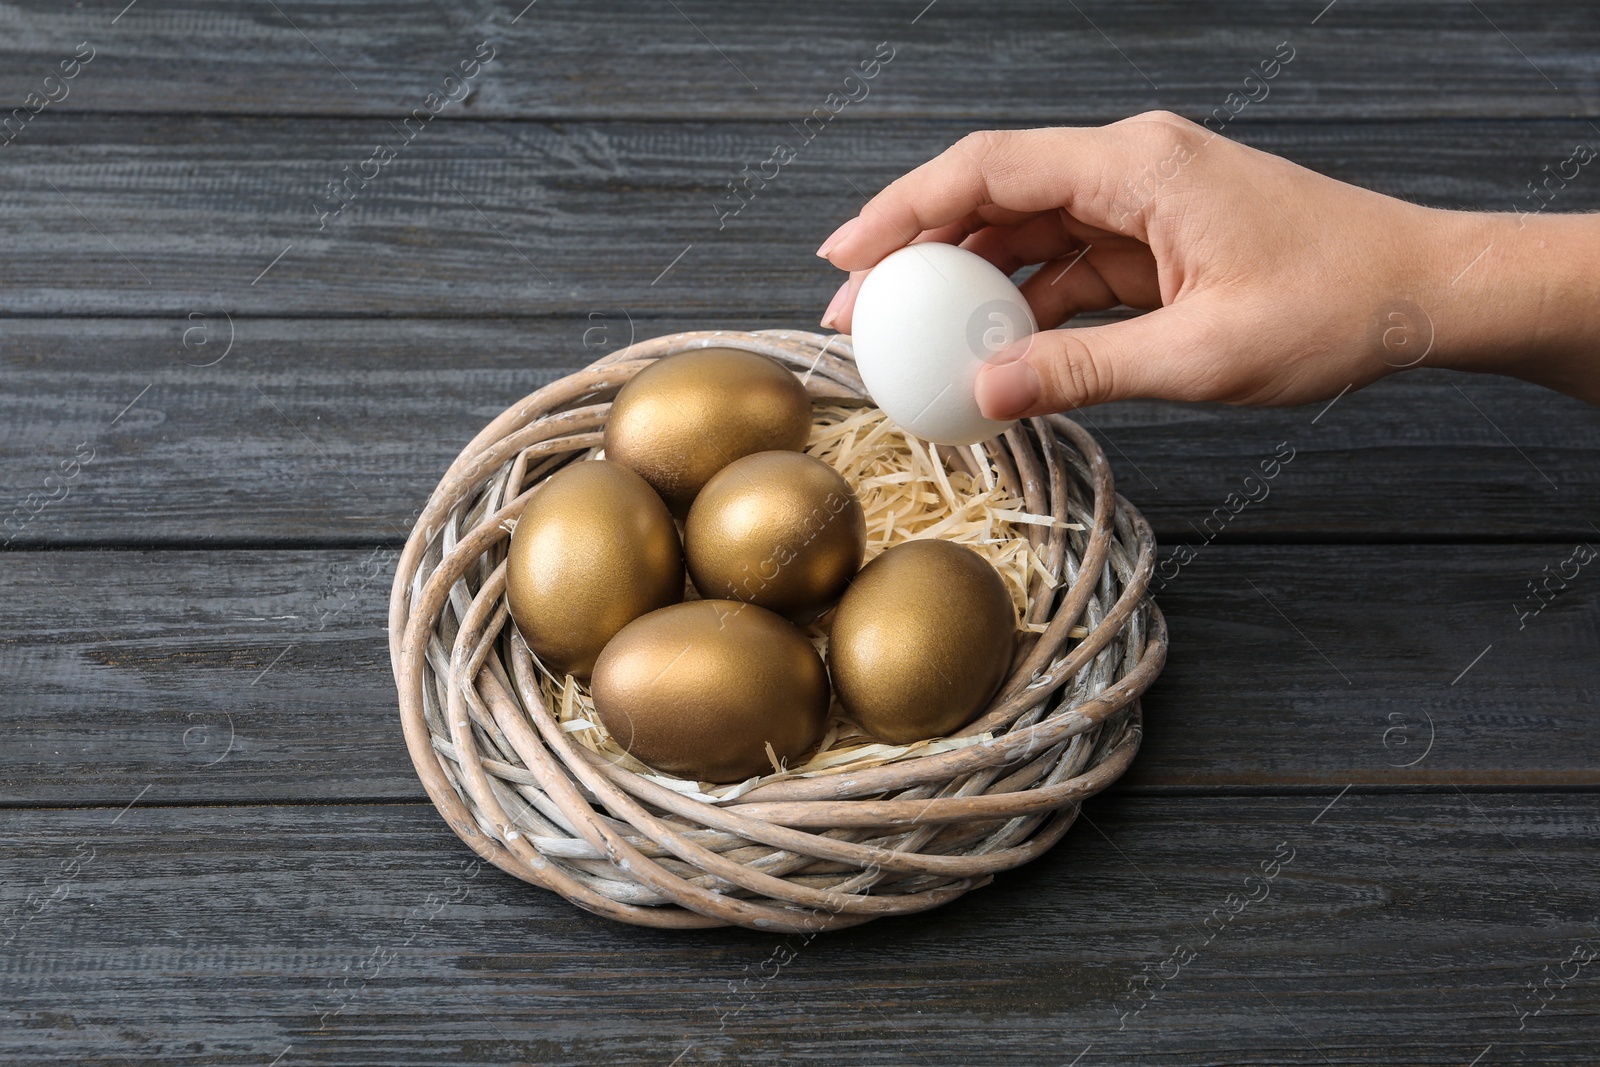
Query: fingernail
x=834 y=306
x=1005 y=390
x=836 y=236
x=1011 y=353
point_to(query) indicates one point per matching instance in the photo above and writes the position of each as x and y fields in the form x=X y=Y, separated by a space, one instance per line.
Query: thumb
x=1059 y=370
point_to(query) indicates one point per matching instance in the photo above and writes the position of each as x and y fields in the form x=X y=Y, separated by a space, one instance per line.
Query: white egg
x=926 y=318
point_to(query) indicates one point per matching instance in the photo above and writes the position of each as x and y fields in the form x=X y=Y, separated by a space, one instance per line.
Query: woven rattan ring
x=794 y=854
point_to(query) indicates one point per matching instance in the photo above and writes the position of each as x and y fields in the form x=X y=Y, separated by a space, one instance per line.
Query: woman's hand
x=1265 y=283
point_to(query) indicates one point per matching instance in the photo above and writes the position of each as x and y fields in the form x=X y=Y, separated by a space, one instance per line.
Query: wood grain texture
x=1396 y=928
x=1019 y=60
x=169 y=216
x=247 y=675
x=239 y=676
x=334 y=432
x=213 y=848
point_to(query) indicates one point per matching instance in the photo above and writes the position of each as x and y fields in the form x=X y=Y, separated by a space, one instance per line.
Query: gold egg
x=700 y=689
x=921 y=640
x=685 y=417
x=595 y=549
x=781 y=530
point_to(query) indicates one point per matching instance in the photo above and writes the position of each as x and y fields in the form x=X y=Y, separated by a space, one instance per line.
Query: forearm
x=1518 y=295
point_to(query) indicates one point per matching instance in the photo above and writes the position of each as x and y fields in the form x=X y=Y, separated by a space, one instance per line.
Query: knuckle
x=1164 y=138
x=1077 y=377
x=989 y=152
x=983 y=144
x=1163 y=116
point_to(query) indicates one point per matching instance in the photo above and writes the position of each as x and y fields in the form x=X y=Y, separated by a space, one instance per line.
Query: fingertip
x=834 y=239
x=867 y=238
x=841 y=309
x=1007 y=386
x=830 y=316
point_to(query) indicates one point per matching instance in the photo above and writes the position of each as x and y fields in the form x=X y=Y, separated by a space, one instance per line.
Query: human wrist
x=1516 y=294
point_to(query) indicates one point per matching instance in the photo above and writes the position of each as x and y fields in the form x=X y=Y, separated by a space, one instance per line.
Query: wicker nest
x=858 y=831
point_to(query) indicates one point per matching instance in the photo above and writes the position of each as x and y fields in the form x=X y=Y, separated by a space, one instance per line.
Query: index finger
x=1079 y=169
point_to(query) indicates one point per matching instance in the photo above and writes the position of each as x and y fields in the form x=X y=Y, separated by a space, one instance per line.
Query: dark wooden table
x=221 y=411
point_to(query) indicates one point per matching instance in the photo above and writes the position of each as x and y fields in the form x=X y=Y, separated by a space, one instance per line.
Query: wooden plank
x=169 y=216
x=1010 y=58
x=1381 y=665
x=334 y=432
x=1423 y=455
x=1394 y=928
x=248 y=675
